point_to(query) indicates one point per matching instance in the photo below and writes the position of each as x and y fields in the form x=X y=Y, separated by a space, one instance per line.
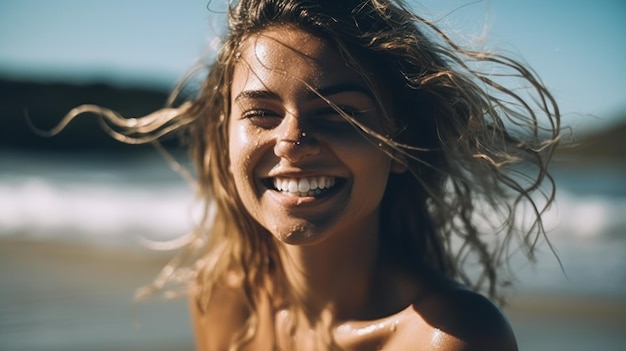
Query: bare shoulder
x=459 y=319
x=218 y=320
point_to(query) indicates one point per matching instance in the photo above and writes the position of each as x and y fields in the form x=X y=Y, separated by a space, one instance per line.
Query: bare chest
x=401 y=331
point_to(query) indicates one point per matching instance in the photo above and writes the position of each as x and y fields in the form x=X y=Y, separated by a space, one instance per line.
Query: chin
x=301 y=235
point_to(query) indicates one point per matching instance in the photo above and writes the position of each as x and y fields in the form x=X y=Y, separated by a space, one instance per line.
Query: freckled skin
x=274 y=65
x=329 y=243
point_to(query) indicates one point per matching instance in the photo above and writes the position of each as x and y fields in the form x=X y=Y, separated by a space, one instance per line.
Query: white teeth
x=321 y=183
x=292 y=185
x=304 y=186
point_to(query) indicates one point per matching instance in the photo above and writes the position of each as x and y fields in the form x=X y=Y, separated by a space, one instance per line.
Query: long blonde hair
x=473 y=146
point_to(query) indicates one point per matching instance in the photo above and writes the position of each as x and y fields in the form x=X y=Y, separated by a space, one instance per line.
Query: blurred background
x=76 y=209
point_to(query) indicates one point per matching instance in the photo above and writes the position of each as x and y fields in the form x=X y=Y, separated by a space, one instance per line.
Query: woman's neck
x=338 y=274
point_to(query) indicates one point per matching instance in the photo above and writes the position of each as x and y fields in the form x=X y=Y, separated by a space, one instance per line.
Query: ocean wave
x=586 y=216
x=115 y=211
x=94 y=211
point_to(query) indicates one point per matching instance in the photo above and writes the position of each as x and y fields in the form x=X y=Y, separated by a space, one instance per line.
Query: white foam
x=35 y=206
x=586 y=216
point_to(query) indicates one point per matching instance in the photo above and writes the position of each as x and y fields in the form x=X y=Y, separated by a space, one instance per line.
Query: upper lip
x=299 y=173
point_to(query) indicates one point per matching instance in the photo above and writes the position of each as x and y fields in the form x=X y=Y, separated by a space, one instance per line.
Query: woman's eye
x=333 y=117
x=350 y=111
x=265 y=119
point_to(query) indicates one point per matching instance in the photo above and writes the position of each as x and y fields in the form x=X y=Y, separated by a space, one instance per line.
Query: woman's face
x=301 y=170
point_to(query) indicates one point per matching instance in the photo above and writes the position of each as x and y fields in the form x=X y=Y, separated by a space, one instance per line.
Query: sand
x=56 y=296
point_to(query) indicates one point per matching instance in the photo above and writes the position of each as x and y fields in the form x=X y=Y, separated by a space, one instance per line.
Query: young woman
x=362 y=174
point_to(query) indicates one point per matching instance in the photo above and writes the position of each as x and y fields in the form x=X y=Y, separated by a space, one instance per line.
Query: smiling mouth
x=303 y=187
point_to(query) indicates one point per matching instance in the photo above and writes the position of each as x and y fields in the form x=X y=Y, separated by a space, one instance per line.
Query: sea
x=81 y=232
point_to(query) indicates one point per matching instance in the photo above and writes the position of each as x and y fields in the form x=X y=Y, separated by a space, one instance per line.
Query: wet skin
x=284 y=135
x=315 y=183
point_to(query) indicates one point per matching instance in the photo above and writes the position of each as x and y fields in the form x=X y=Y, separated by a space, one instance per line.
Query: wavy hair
x=476 y=131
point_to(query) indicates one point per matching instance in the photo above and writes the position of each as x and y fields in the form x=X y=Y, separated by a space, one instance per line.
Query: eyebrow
x=342 y=88
x=325 y=91
x=257 y=94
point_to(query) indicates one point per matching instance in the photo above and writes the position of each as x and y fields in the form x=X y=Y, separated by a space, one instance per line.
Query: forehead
x=287 y=41
x=286 y=55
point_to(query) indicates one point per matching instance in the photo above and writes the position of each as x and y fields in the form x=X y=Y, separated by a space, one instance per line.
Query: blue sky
x=577 y=46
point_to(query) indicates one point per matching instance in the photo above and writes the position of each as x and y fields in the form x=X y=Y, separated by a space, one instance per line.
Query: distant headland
x=47 y=103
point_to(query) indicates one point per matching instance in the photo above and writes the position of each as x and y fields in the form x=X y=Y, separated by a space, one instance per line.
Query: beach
x=69 y=297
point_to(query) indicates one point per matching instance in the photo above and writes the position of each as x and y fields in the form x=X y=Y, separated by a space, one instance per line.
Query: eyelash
x=337 y=117
x=258 y=113
x=350 y=111
x=262 y=118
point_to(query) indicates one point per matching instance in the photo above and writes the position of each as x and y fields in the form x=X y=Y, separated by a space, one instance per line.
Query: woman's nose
x=293 y=143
